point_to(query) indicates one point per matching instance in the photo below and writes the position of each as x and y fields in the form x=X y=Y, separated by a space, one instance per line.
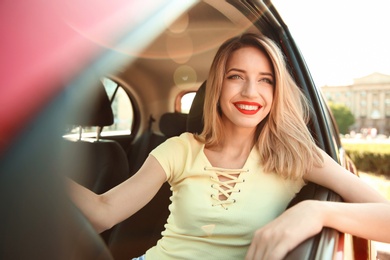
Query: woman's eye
x=267 y=80
x=234 y=77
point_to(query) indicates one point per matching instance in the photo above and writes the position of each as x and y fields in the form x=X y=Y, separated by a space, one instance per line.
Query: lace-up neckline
x=225 y=183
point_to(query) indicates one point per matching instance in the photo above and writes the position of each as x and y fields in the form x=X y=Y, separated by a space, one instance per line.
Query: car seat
x=97 y=164
x=135 y=235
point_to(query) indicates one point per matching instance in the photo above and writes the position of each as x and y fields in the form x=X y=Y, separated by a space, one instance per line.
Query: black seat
x=170 y=124
x=98 y=165
x=173 y=124
x=141 y=231
x=141 y=147
x=95 y=163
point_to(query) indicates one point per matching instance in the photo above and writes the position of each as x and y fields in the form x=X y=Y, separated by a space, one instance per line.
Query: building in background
x=368 y=98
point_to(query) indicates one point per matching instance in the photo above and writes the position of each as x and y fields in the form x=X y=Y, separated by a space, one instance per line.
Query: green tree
x=343 y=116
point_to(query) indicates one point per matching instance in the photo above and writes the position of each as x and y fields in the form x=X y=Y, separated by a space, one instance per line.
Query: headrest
x=195 y=116
x=94 y=110
x=173 y=124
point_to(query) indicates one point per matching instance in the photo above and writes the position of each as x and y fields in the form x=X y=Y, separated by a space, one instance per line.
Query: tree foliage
x=343 y=116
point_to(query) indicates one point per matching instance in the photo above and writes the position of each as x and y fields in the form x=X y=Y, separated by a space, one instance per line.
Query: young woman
x=232 y=183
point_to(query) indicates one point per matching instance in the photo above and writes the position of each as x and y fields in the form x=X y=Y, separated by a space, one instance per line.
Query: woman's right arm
x=122 y=201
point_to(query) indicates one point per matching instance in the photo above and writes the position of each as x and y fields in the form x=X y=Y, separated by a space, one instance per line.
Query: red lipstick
x=247 y=108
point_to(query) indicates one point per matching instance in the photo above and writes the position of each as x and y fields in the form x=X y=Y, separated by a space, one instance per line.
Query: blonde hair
x=283 y=140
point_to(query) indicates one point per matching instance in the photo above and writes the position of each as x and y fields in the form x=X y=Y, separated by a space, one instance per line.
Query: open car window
x=122 y=108
x=123 y=111
x=186 y=102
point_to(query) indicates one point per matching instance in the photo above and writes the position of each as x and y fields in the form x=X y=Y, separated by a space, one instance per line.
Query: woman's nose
x=249 y=89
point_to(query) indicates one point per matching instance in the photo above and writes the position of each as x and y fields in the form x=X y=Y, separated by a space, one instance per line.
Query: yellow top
x=211 y=219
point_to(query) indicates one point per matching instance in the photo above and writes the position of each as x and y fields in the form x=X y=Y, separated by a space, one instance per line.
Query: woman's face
x=247 y=88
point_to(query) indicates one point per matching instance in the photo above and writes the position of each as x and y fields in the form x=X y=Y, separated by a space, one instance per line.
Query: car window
x=331 y=123
x=186 y=102
x=121 y=107
x=123 y=111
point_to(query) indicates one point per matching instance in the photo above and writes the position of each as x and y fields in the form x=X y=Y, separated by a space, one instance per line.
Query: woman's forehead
x=248 y=57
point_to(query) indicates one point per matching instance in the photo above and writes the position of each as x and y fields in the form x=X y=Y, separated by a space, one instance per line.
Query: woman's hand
x=283 y=234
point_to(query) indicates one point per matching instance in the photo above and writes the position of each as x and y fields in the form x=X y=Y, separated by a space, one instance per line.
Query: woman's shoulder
x=184 y=143
x=174 y=154
x=185 y=139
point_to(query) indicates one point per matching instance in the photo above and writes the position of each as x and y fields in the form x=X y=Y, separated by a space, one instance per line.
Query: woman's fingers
x=278 y=237
x=268 y=245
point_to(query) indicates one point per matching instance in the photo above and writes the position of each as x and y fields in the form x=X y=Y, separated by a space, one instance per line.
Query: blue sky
x=340 y=39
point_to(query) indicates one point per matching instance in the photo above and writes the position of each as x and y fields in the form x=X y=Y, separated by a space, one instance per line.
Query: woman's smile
x=247 y=108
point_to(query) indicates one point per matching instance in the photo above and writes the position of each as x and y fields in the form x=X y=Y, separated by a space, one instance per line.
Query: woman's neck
x=233 y=151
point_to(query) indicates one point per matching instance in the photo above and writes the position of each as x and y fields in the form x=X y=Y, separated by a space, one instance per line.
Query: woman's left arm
x=366 y=216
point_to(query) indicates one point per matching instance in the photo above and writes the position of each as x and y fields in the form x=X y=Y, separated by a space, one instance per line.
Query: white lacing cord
x=225 y=188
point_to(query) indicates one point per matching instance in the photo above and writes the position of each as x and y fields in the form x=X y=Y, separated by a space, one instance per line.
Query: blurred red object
x=44 y=44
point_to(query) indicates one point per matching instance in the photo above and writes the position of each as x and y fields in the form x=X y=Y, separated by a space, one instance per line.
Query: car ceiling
x=179 y=58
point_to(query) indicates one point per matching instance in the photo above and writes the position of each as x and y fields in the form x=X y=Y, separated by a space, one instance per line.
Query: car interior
x=176 y=62
x=131 y=100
